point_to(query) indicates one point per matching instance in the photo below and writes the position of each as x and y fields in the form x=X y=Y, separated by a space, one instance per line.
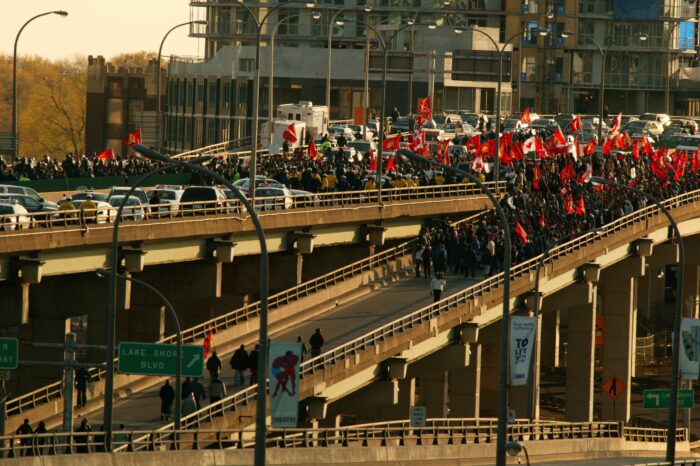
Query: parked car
x=13 y=216
x=139 y=193
x=26 y=191
x=133 y=209
x=358 y=131
x=336 y=131
x=270 y=198
x=203 y=200
x=260 y=182
x=168 y=197
x=363 y=147
x=639 y=127
x=689 y=143
x=401 y=125
x=303 y=199
x=662 y=118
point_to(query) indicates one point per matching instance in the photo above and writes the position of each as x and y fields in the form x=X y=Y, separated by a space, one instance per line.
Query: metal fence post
x=68 y=383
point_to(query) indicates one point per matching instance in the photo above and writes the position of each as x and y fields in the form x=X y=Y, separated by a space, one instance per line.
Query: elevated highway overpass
x=47 y=273
x=414 y=357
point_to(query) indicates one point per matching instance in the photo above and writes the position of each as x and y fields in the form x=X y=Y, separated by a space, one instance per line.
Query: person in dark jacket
x=167 y=396
x=316 y=342
x=214 y=365
x=239 y=364
x=253 y=364
x=82 y=378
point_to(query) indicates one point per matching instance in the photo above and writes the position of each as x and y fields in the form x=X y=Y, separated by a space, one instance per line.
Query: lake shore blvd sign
x=159 y=359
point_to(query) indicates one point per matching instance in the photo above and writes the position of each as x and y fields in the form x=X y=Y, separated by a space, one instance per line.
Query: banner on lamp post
x=284 y=362
x=522 y=339
x=690 y=348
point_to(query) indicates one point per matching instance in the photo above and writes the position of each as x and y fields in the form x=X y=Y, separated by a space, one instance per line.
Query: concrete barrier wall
x=443 y=455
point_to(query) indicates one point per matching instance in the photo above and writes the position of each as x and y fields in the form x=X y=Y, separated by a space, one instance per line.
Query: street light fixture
x=261 y=405
x=505 y=317
x=15 y=137
x=675 y=350
x=159 y=115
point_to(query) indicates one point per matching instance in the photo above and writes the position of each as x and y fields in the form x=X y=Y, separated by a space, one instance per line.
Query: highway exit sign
x=9 y=353
x=660 y=399
x=159 y=359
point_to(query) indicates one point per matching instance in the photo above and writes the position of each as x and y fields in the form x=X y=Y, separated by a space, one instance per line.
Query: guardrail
x=224 y=149
x=397 y=433
x=339 y=354
x=18 y=223
x=54 y=390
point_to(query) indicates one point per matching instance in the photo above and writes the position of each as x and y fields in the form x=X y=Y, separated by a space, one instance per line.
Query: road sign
x=159 y=359
x=9 y=353
x=418 y=416
x=660 y=399
x=614 y=387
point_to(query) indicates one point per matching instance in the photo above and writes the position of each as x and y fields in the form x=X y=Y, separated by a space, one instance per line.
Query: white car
x=134 y=211
x=271 y=198
x=169 y=197
x=243 y=184
x=14 y=216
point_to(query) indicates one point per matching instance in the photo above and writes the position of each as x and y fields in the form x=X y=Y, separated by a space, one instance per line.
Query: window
x=213 y=97
x=582 y=68
x=245 y=24
x=200 y=94
x=530 y=65
x=226 y=99
x=531 y=34
x=246 y=64
x=289 y=22
x=560 y=7
x=529 y=6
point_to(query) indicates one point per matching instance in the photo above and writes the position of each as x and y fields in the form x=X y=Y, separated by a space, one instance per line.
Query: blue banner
x=636 y=10
x=686 y=37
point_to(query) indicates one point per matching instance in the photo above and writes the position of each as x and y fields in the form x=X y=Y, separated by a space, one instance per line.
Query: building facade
x=210 y=100
x=120 y=100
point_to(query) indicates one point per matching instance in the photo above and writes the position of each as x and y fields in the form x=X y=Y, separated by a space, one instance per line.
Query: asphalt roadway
x=345 y=323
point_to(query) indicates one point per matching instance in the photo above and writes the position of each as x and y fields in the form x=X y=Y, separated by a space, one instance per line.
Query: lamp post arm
x=260 y=408
x=270 y=93
x=329 y=57
x=675 y=352
x=505 y=318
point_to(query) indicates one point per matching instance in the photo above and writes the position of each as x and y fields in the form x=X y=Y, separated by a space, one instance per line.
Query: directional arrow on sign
x=651 y=396
x=194 y=359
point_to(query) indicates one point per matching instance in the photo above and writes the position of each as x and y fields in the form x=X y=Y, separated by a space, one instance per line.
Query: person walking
x=39 y=441
x=253 y=364
x=316 y=342
x=418 y=259
x=214 y=366
x=239 y=364
x=437 y=286
x=26 y=442
x=82 y=378
x=189 y=405
x=167 y=396
x=198 y=391
x=186 y=388
x=427 y=260
x=303 y=348
x=83 y=440
x=217 y=390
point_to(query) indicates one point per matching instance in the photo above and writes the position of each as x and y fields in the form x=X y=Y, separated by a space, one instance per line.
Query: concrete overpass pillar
x=691 y=288
x=578 y=301
x=45 y=330
x=465 y=386
x=550 y=320
x=379 y=401
x=490 y=339
x=14 y=297
x=651 y=287
x=619 y=305
x=433 y=393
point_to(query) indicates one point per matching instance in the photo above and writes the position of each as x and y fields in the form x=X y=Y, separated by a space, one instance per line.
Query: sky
x=97 y=27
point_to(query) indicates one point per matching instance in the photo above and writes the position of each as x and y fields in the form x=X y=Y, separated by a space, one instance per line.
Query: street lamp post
x=505 y=317
x=261 y=406
x=114 y=261
x=159 y=137
x=500 y=51
x=178 y=371
x=15 y=138
x=675 y=351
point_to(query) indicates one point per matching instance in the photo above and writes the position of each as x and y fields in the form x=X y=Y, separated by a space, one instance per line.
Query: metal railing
x=18 y=405
x=393 y=433
x=234 y=148
x=341 y=353
x=70 y=219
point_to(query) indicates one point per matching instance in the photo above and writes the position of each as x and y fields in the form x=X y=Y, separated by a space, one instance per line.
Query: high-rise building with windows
x=644 y=41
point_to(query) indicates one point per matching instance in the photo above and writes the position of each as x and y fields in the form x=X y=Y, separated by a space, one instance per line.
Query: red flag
x=312 y=150
x=575 y=124
x=536 y=177
x=474 y=142
x=425 y=108
x=443 y=151
x=659 y=164
x=680 y=160
x=416 y=139
x=647 y=147
x=616 y=125
x=635 y=148
x=589 y=148
x=695 y=161
x=580 y=207
x=633 y=184
x=208 y=343
x=106 y=155
x=516 y=151
x=487 y=149
x=393 y=143
x=569 y=204
x=505 y=141
x=478 y=164
x=606 y=147
x=133 y=138
x=290 y=134
x=520 y=232
x=372 y=160
x=567 y=173
x=542 y=219
x=390 y=165
x=585 y=176
x=525 y=116
x=559 y=137
x=534 y=144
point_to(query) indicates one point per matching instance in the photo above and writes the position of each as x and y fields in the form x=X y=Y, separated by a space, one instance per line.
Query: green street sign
x=660 y=399
x=159 y=359
x=9 y=353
